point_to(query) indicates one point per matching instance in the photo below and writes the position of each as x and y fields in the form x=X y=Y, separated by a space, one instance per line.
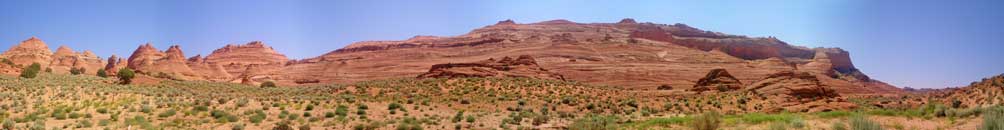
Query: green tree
x=125 y=75
x=31 y=71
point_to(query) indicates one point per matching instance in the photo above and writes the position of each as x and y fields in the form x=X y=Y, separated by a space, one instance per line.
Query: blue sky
x=921 y=44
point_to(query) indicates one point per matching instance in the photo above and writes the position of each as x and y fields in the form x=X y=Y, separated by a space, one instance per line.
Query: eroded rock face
x=114 y=64
x=254 y=52
x=213 y=72
x=168 y=64
x=66 y=59
x=29 y=51
x=717 y=80
x=524 y=66
x=797 y=92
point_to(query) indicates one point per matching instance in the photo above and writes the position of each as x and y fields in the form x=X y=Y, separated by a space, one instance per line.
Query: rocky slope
x=523 y=66
x=984 y=93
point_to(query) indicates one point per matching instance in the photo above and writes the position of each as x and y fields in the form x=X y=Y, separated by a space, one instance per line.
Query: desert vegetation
x=52 y=101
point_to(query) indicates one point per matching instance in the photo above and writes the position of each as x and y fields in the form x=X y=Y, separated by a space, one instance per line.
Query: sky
x=917 y=43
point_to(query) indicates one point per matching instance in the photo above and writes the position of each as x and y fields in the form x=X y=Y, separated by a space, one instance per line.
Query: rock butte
x=628 y=53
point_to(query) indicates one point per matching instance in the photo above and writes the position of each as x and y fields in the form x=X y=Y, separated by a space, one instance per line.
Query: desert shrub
x=222 y=116
x=31 y=71
x=409 y=123
x=8 y=62
x=237 y=127
x=661 y=122
x=77 y=71
x=393 y=106
x=8 y=124
x=707 y=121
x=102 y=73
x=993 y=119
x=838 y=126
x=139 y=121
x=833 y=114
x=595 y=122
x=777 y=126
x=956 y=103
x=342 y=110
x=859 y=122
x=459 y=116
x=304 y=127
x=257 y=117
x=757 y=118
x=146 y=109
x=268 y=84
x=126 y=75
x=48 y=70
x=309 y=108
x=329 y=114
x=282 y=126
x=84 y=124
x=470 y=119
x=167 y=113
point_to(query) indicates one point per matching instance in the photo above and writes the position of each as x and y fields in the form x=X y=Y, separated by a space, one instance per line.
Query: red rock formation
x=29 y=51
x=170 y=64
x=641 y=55
x=506 y=22
x=237 y=58
x=213 y=72
x=627 y=21
x=797 y=92
x=717 y=80
x=114 y=64
x=524 y=66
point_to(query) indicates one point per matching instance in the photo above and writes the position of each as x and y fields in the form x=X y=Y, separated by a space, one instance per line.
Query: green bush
x=126 y=75
x=102 y=73
x=31 y=71
x=329 y=114
x=8 y=124
x=393 y=106
x=459 y=116
x=342 y=110
x=707 y=121
x=168 y=113
x=859 y=122
x=77 y=71
x=282 y=126
x=258 y=117
x=268 y=84
x=993 y=119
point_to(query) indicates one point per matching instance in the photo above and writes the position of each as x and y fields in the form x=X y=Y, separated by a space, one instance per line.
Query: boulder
x=797 y=92
x=717 y=80
x=523 y=66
